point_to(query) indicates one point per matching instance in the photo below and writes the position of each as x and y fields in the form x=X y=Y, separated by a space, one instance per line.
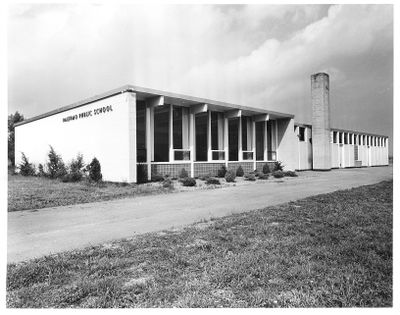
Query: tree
x=95 y=170
x=26 y=168
x=55 y=165
x=12 y=120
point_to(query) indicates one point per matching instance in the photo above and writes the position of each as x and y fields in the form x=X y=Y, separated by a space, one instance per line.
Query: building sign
x=89 y=113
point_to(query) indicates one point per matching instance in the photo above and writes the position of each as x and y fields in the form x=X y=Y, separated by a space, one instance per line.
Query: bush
x=222 y=171
x=213 y=181
x=278 y=174
x=230 y=176
x=263 y=176
x=278 y=166
x=250 y=177
x=183 y=173
x=76 y=170
x=239 y=171
x=155 y=177
x=188 y=181
x=141 y=175
x=55 y=165
x=205 y=177
x=266 y=169
x=41 y=172
x=167 y=183
x=26 y=168
x=95 y=170
x=290 y=174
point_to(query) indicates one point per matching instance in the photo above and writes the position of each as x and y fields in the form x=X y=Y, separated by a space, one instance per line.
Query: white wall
x=287 y=144
x=305 y=149
x=104 y=136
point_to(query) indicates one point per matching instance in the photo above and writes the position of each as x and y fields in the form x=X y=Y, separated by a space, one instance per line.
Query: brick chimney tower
x=320 y=121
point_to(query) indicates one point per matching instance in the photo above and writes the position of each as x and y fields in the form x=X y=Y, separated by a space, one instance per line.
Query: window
x=260 y=132
x=161 y=133
x=335 y=137
x=350 y=138
x=271 y=140
x=177 y=127
x=201 y=123
x=141 y=131
x=233 y=126
x=302 y=133
x=340 y=138
x=346 y=140
x=214 y=131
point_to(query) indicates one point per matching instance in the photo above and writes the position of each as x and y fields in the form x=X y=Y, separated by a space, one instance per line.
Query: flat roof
x=173 y=98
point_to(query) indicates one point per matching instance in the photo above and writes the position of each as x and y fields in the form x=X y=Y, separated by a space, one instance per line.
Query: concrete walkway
x=33 y=233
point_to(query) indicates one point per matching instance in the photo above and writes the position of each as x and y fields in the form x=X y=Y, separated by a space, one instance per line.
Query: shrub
x=266 y=169
x=239 y=171
x=263 y=176
x=183 y=173
x=291 y=174
x=230 y=176
x=76 y=170
x=278 y=166
x=278 y=174
x=213 y=181
x=188 y=181
x=222 y=171
x=41 y=172
x=167 y=183
x=155 y=177
x=141 y=175
x=250 y=177
x=55 y=165
x=95 y=170
x=26 y=168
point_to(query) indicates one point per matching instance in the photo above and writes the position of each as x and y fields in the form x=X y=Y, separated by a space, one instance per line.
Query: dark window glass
x=301 y=133
x=350 y=139
x=233 y=139
x=244 y=133
x=141 y=131
x=214 y=131
x=345 y=139
x=335 y=137
x=177 y=121
x=201 y=136
x=260 y=131
x=161 y=133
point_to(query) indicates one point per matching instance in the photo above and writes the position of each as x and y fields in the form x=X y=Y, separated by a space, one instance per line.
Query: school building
x=163 y=132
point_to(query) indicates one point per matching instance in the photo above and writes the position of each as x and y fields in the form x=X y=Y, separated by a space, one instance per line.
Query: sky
x=253 y=55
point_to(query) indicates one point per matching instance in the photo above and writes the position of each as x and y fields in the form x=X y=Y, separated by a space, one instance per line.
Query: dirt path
x=34 y=233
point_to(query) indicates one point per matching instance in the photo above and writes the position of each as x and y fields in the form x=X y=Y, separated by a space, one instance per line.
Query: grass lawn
x=28 y=192
x=331 y=250
x=38 y=192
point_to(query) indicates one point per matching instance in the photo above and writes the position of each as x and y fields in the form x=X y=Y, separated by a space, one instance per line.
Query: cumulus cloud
x=256 y=55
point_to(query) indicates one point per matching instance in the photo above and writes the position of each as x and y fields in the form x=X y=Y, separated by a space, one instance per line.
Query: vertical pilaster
x=253 y=141
x=171 y=134
x=209 y=153
x=191 y=143
x=265 y=141
x=240 y=148
x=131 y=99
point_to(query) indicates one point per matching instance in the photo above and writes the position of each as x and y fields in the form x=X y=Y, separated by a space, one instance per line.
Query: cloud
x=256 y=55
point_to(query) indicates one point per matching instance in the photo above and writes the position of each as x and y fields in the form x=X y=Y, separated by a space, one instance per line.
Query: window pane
x=244 y=133
x=214 y=131
x=233 y=139
x=161 y=134
x=141 y=131
x=301 y=133
x=177 y=116
x=201 y=136
x=260 y=131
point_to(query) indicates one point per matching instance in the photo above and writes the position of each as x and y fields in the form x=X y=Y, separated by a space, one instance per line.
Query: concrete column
x=209 y=153
x=320 y=121
x=131 y=98
x=276 y=141
x=240 y=149
x=171 y=134
x=253 y=142
x=191 y=143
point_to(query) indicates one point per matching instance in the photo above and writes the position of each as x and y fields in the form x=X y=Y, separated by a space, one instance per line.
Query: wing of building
x=131 y=129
